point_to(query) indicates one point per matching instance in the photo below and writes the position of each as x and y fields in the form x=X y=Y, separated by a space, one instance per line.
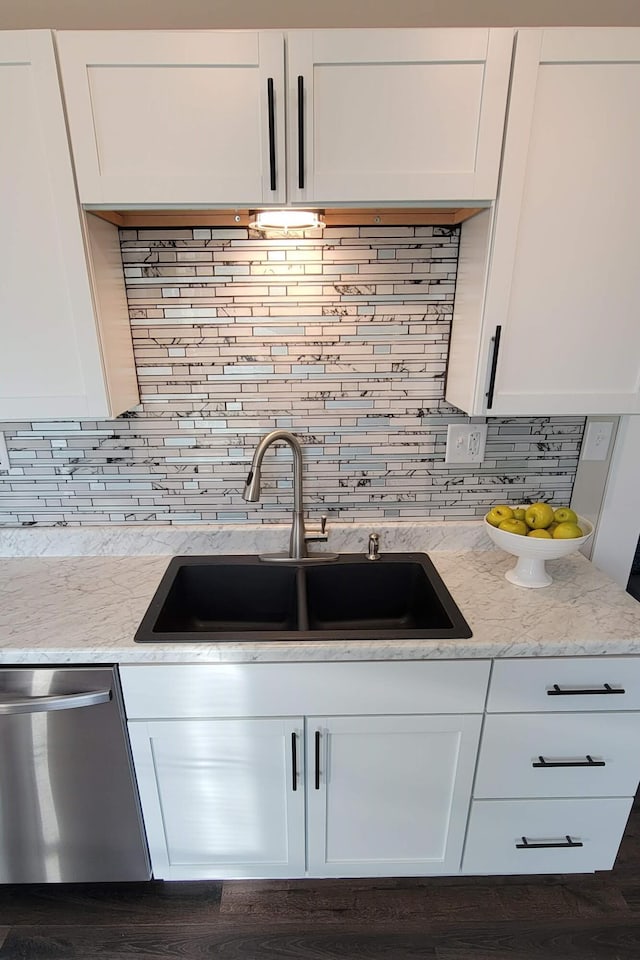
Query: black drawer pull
x=301 y=133
x=495 y=340
x=317 y=744
x=294 y=761
x=556 y=691
x=271 y=112
x=588 y=762
x=528 y=845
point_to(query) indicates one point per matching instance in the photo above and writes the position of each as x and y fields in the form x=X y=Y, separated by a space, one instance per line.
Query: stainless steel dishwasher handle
x=67 y=701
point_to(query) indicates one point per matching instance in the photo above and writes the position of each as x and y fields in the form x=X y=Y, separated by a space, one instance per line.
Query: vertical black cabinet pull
x=272 y=132
x=294 y=761
x=495 y=339
x=587 y=762
x=317 y=744
x=532 y=845
x=301 y=132
x=606 y=688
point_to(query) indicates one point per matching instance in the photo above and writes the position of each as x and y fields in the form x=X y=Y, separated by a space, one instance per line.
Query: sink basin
x=399 y=596
x=362 y=595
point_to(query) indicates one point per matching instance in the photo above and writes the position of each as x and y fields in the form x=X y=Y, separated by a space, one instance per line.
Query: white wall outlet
x=465 y=442
x=597 y=440
x=4 y=454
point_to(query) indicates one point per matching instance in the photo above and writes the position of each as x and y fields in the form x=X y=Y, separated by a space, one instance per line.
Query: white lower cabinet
x=321 y=794
x=226 y=798
x=558 y=765
x=379 y=769
x=544 y=836
x=388 y=796
x=219 y=797
x=559 y=755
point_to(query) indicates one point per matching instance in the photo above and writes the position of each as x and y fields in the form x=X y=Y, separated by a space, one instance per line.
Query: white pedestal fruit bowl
x=533 y=552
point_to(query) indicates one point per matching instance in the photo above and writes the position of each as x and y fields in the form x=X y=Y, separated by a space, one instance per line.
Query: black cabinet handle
x=294 y=761
x=567 y=842
x=557 y=691
x=495 y=339
x=588 y=762
x=317 y=745
x=301 y=132
x=272 y=133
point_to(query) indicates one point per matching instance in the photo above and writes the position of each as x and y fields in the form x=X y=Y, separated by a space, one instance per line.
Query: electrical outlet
x=4 y=454
x=465 y=442
x=597 y=440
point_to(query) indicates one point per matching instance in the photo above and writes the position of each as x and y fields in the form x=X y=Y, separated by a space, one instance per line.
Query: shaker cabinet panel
x=175 y=118
x=560 y=332
x=66 y=342
x=396 y=115
x=388 y=796
x=199 y=118
x=222 y=798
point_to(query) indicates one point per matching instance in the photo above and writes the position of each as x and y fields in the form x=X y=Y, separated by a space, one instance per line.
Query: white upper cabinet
x=66 y=342
x=198 y=118
x=562 y=292
x=396 y=115
x=160 y=117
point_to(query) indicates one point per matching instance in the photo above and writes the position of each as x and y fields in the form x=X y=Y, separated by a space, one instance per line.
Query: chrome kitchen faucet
x=299 y=538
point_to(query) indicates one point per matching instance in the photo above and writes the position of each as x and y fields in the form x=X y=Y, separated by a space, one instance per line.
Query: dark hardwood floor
x=580 y=917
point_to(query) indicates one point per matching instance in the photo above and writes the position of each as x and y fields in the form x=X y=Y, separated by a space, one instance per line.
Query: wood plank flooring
x=581 y=917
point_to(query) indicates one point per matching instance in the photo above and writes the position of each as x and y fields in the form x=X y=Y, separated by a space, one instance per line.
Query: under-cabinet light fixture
x=286 y=221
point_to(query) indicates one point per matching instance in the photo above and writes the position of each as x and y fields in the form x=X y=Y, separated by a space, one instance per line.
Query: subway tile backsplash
x=341 y=338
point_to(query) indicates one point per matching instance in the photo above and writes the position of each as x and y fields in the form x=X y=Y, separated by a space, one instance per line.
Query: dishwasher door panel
x=69 y=809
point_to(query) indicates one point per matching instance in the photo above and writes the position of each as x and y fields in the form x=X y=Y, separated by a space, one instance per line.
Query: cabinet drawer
x=520 y=753
x=292 y=689
x=565 y=684
x=507 y=836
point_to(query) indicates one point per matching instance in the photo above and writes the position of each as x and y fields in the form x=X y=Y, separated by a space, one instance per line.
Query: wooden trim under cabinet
x=334 y=217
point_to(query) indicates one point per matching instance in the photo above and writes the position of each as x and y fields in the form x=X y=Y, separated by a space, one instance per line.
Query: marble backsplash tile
x=341 y=338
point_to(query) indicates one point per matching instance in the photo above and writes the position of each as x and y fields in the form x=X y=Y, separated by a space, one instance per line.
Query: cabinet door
x=222 y=798
x=388 y=796
x=175 y=118
x=564 y=283
x=51 y=360
x=396 y=115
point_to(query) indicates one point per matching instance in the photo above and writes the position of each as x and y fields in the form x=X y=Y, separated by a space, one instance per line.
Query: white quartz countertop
x=86 y=609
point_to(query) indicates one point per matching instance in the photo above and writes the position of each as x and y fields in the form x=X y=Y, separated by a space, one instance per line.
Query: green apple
x=539 y=515
x=565 y=515
x=519 y=513
x=540 y=534
x=514 y=526
x=567 y=531
x=499 y=513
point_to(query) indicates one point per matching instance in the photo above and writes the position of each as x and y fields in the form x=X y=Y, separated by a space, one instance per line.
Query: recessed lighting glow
x=286 y=220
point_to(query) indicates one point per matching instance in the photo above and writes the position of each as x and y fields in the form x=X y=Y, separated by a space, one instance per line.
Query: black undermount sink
x=222 y=598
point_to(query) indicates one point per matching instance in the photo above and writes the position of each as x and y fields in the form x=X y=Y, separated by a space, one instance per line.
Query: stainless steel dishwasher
x=69 y=809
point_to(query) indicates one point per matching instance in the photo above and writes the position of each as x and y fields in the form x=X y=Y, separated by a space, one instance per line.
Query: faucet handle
x=373 y=549
x=318 y=536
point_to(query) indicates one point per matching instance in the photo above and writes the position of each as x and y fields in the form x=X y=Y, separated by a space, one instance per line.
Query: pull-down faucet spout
x=297 y=543
x=298 y=539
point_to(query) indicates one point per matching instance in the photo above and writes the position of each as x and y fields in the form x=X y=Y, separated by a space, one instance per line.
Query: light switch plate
x=465 y=442
x=4 y=454
x=597 y=440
